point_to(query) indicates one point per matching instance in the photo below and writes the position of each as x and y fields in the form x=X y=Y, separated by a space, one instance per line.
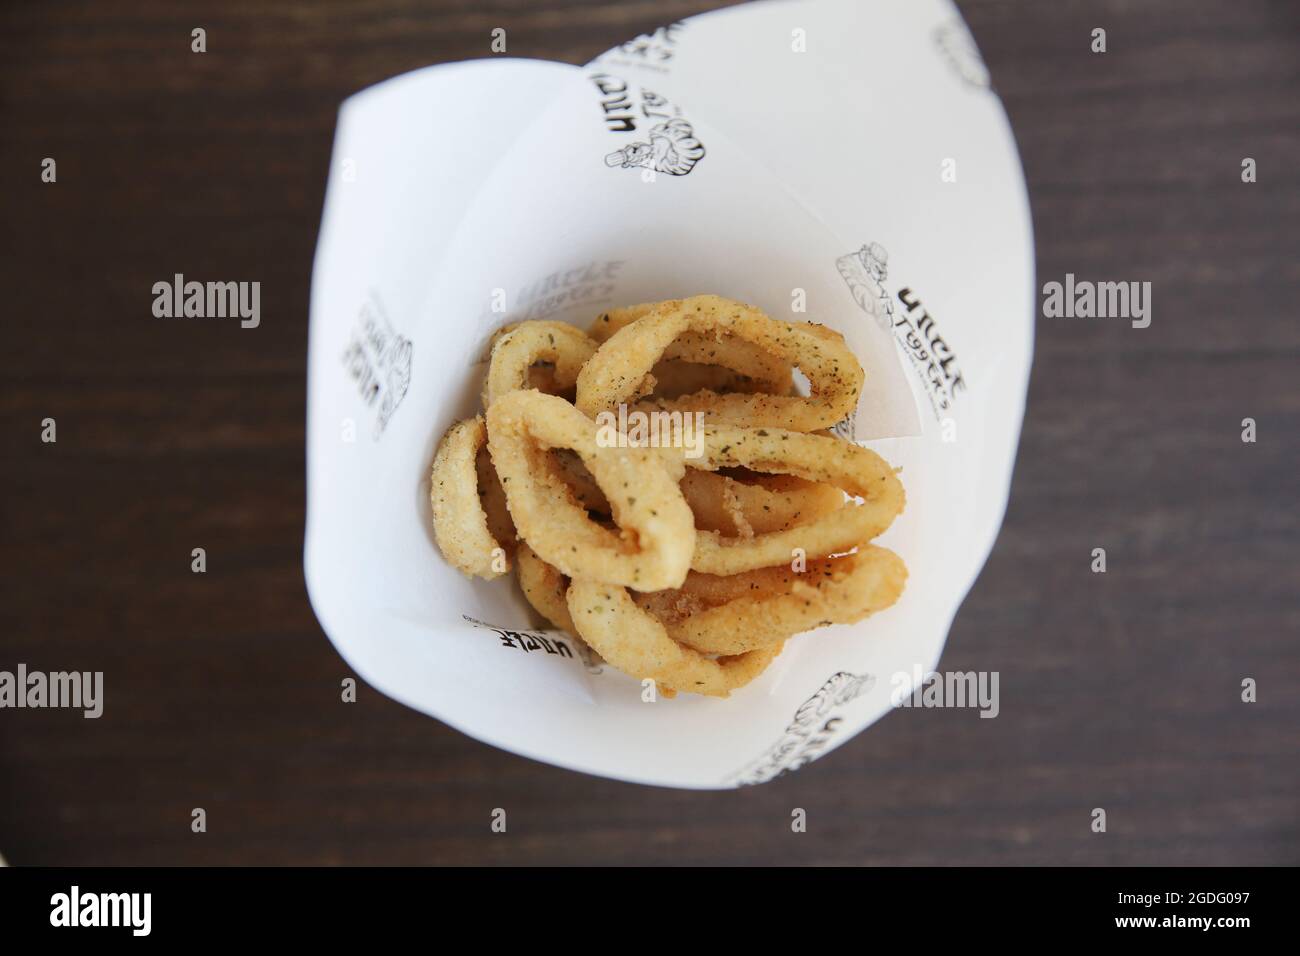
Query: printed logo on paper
x=813 y=728
x=545 y=641
x=378 y=360
x=957 y=48
x=649 y=51
x=915 y=330
x=662 y=140
x=587 y=286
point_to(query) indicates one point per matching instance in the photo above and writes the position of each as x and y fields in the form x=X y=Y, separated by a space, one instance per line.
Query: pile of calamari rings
x=688 y=563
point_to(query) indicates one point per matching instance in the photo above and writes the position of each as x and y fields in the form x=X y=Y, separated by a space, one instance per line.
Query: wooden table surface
x=1120 y=690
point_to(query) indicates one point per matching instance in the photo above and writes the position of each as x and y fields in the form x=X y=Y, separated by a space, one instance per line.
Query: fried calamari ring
x=767 y=372
x=615 y=373
x=636 y=643
x=492 y=497
x=541 y=376
x=607 y=323
x=460 y=524
x=652 y=550
x=744 y=612
x=544 y=587
x=674 y=378
x=515 y=351
x=764 y=503
x=518 y=350
x=751 y=365
x=857 y=470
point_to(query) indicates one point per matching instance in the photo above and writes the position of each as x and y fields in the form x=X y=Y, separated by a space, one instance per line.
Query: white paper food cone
x=613 y=194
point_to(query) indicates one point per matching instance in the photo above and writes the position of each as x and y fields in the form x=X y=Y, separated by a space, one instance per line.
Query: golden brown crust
x=615 y=373
x=653 y=548
x=695 y=576
x=460 y=524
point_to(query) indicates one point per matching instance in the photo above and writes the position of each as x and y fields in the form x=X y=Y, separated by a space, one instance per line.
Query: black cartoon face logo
x=650 y=48
x=875 y=259
x=378 y=358
x=841 y=688
x=865 y=272
x=810 y=731
x=398 y=379
x=672 y=149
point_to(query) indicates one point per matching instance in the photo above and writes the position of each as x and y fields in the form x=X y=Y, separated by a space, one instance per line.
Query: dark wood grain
x=1118 y=690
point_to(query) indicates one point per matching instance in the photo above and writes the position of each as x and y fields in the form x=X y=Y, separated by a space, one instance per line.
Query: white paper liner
x=483 y=185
